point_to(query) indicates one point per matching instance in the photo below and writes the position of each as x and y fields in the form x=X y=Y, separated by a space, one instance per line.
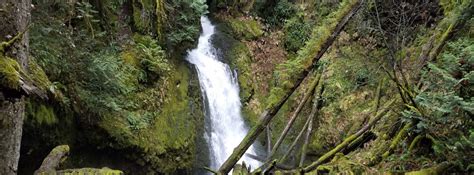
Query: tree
x=14 y=18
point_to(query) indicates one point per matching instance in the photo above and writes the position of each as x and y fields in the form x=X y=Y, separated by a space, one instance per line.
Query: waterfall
x=220 y=89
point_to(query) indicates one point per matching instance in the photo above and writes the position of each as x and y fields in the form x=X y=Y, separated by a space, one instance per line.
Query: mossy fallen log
x=52 y=161
x=401 y=134
x=58 y=155
x=349 y=139
x=438 y=169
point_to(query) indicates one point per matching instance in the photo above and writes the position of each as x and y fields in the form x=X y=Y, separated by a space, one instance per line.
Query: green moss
x=450 y=5
x=340 y=164
x=149 y=16
x=87 y=171
x=164 y=139
x=60 y=149
x=297 y=31
x=240 y=58
x=246 y=28
x=292 y=69
x=39 y=77
x=129 y=57
x=9 y=72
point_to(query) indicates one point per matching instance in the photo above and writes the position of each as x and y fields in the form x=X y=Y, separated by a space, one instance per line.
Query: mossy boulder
x=164 y=140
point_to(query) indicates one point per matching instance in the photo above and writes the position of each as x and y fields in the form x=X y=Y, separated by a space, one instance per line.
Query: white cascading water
x=221 y=90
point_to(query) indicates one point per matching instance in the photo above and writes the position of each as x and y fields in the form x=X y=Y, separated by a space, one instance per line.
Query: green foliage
x=40 y=114
x=127 y=87
x=9 y=72
x=277 y=15
x=287 y=72
x=184 y=20
x=446 y=100
x=137 y=121
x=107 y=73
x=450 y=5
x=151 y=57
x=297 y=32
x=87 y=12
x=148 y=16
x=161 y=133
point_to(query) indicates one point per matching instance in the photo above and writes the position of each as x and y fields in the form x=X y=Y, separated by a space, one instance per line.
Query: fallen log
x=58 y=155
x=314 y=113
x=309 y=92
x=52 y=161
x=349 y=139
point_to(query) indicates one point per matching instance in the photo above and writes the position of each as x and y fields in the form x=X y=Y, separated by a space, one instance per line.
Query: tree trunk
x=14 y=18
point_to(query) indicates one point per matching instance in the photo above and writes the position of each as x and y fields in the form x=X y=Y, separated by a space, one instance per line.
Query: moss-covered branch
x=6 y=44
x=349 y=139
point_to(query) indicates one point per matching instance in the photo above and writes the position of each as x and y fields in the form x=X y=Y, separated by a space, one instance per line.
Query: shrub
x=151 y=57
x=282 y=11
x=446 y=103
x=297 y=32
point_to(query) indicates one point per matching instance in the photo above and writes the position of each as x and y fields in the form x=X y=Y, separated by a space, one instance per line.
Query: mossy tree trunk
x=14 y=18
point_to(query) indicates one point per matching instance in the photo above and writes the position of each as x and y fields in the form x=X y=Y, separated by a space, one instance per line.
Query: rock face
x=14 y=17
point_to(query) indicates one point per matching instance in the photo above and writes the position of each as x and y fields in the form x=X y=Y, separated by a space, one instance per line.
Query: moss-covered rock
x=165 y=139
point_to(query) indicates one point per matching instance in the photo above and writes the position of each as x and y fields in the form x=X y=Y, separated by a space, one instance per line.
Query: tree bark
x=14 y=18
